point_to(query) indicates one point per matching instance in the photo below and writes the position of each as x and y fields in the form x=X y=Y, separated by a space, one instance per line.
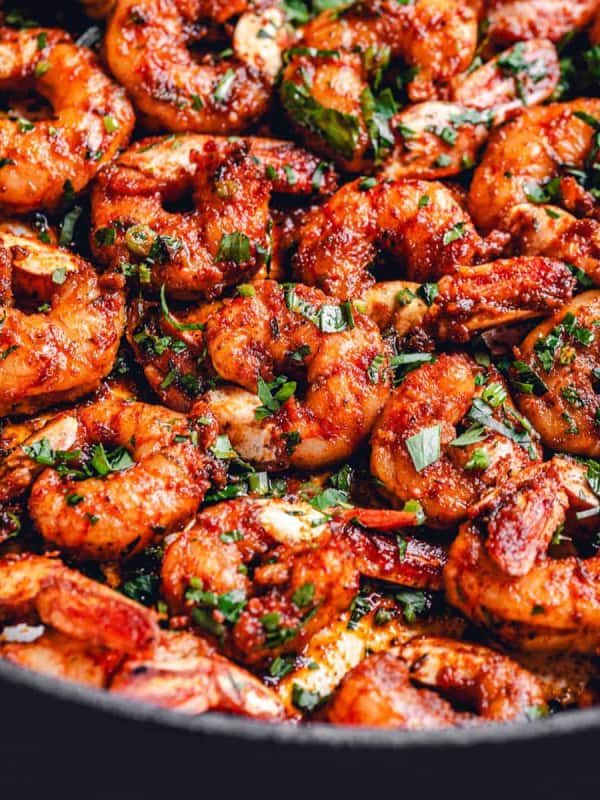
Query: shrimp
x=488 y=295
x=44 y=589
x=532 y=159
x=52 y=653
x=437 y=138
x=151 y=484
x=560 y=397
x=146 y=48
x=252 y=339
x=418 y=454
x=225 y=237
x=419 y=224
x=305 y=570
x=436 y=37
x=54 y=354
x=509 y=583
x=517 y=20
x=550 y=231
x=98 y=9
x=91 y=120
x=183 y=673
x=386 y=691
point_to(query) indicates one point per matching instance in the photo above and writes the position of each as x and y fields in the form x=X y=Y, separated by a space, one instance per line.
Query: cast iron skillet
x=57 y=735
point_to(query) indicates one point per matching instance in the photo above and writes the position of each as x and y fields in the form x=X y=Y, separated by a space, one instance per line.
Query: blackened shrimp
x=396 y=691
x=183 y=672
x=421 y=225
x=53 y=354
x=558 y=370
x=91 y=119
x=37 y=588
x=417 y=451
x=225 y=237
x=441 y=138
x=147 y=50
x=252 y=340
x=537 y=158
x=517 y=20
x=515 y=582
x=264 y=575
x=148 y=469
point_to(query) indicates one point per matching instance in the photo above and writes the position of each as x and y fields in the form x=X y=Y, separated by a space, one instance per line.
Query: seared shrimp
x=251 y=340
x=44 y=589
x=388 y=691
x=150 y=485
x=436 y=37
x=418 y=454
x=147 y=50
x=436 y=139
x=516 y=20
x=509 y=583
x=182 y=672
x=304 y=566
x=54 y=354
x=560 y=395
x=550 y=231
x=421 y=225
x=227 y=235
x=489 y=295
x=91 y=119
x=533 y=159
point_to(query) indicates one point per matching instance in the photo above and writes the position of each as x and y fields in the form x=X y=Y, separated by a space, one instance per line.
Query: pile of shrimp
x=300 y=356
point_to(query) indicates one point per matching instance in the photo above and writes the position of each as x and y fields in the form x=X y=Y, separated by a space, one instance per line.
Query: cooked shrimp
x=98 y=9
x=417 y=453
x=509 y=583
x=45 y=589
x=53 y=653
x=489 y=295
x=421 y=225
x=436 y=139
x=304 y=569
x=338 y=647
x=516 y=20
x=174 y=360
x=530 y=159
x=252 y=339
x=152 y=486
x=437 y=37
x=18 y=470
x=560 y=397
x=182 y=673
x=147 y=50
x=54 y=354
x=91 y=119
x=226 y=237
x=387 y=691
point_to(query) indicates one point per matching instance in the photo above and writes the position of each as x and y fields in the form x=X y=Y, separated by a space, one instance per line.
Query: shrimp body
x=563 y=351
x=524 y=155
x=509 y=583
x=431 y=402
x=224 y=238
x=292 y=550
x=253 y=338
x=45 y=589
x=380 y=690
x=91 y=120
x=147 y=50
x=54 y=354
x=420 y=224
x=182 y=672
x=517 y=20
x=119 y=514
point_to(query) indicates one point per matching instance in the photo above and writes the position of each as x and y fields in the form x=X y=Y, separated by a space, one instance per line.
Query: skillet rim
x=312 y=735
